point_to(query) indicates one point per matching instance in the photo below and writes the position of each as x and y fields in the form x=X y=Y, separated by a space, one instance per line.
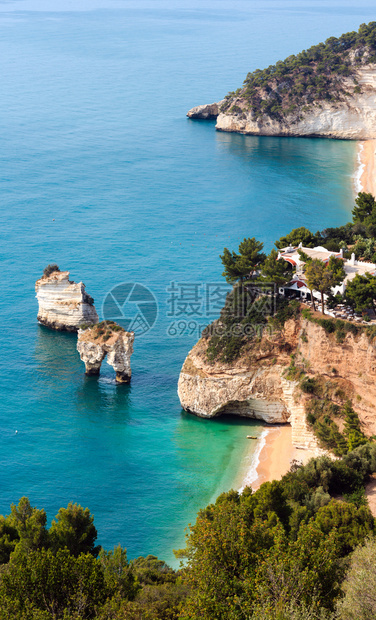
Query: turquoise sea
x=101 y=172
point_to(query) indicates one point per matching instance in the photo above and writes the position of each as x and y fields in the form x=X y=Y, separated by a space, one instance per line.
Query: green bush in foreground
x=280 y=553
x=359 y=602
x=282 y=547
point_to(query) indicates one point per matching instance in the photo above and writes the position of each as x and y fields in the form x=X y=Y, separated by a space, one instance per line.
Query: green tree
x=351 y=524
x=74 y=528
x=359 y=587
x=361 y=292
x=297 y=235
x=322 y=277
x=365 y=213
x=239 y=266
x=119 y=574
x=224 y=549
x=8 y=539
x=365 y=207
x=301 y=570
x=57 y=584
x=274 y=270
x=30 y=525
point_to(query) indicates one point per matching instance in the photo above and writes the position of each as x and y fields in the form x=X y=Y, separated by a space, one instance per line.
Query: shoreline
x=274 y=456
x=274 y=452
x=365 y=176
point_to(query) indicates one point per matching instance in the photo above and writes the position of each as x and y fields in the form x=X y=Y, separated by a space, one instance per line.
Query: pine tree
x=241 y=266
x=352 y=430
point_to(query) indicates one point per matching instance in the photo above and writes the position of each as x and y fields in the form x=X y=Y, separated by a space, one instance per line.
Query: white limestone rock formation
x=352 y=118
x=255 y=385
x=209 y=390
x=64 y=305
x=106 y=339
x=206 y=112
x=252 y=386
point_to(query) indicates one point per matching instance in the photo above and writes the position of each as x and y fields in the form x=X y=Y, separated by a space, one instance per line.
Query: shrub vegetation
x=323 y=73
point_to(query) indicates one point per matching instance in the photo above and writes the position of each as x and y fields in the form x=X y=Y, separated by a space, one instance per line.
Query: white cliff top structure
x=352 y=266
x=291 y=254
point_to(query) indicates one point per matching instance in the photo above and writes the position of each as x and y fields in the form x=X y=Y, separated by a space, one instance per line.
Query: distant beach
x=365 y=179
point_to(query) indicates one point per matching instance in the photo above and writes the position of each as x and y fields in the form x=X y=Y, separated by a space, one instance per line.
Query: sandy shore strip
x=365 y=179
x=274 y=457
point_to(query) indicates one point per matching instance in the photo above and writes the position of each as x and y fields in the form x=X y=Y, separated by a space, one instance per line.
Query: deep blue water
x=101 y=172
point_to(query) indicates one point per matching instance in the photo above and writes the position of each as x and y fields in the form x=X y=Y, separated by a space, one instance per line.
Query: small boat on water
x=251 y=437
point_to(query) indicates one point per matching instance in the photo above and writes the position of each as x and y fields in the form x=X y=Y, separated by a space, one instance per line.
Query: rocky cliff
x=106 y=339
x=64 y=305
x=256 y=386
x=353 y=118
x=328 y=90
x=205 y=112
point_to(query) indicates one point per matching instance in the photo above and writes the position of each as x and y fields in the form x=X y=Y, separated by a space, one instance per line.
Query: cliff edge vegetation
x=272 y=356
x=316 y=74
x=327 y=90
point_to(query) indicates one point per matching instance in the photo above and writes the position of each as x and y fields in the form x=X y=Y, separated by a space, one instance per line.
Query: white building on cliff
x=297 y=287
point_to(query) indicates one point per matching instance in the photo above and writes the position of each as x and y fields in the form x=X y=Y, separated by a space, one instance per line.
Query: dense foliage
x=280 y=553
x=56 y=573
x=313 y=76
x=361 y=292
x=254 y=301
x=282 y=547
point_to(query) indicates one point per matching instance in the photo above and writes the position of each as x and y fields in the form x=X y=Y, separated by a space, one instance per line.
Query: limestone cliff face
x=255 y=385
x=350 y=364
x=353 y=118
x=94 y=344
x=63 y=305
x=208 y=111
x=250 y=387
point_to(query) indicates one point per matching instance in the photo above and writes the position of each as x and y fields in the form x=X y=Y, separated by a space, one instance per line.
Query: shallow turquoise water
x=93 y=135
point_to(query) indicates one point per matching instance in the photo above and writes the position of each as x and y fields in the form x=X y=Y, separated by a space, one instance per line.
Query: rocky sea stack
x=106 y=339
x=328 y=90
x=63 y=305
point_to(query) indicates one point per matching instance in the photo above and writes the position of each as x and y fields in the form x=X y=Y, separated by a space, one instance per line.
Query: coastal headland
x=257 y=381
x=326 y=91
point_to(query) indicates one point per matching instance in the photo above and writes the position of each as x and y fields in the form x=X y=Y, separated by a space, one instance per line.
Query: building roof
x=360 y=268
x=352 y=267
x=291 y=254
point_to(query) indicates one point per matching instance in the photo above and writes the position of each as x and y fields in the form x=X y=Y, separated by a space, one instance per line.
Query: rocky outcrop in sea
x=106 y=340
x=352 y=118
x=206 y=112
x=64 y=305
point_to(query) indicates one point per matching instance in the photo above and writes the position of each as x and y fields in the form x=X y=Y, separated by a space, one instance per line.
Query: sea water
x=102 y=172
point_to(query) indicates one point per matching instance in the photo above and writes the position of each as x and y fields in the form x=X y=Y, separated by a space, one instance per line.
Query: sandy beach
x=277 y=455
x=366 y=177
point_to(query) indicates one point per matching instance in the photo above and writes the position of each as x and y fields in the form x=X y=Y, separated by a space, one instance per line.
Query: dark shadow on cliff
x=223 y=421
